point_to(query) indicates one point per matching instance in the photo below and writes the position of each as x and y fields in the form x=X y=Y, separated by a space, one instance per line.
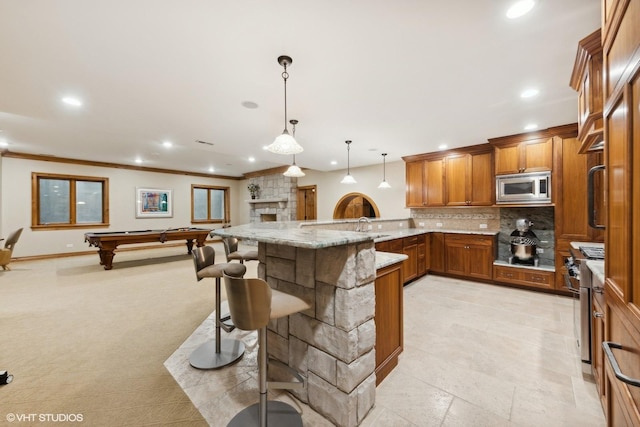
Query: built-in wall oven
x=578 y=280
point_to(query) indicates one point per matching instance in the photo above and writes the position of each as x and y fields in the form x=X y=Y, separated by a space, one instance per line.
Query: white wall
x=15 y=209
x=390 y=201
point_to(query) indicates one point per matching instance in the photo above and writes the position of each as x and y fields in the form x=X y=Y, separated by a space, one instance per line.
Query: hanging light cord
x=384 y=166
x=285 y=76
x=348 y=149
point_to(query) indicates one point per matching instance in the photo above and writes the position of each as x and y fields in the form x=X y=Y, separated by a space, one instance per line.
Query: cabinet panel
x=434 y=183
x=388 y=319
x=469 y=255
x=415 y=183
x=410 y=265
x=524 y=276
x=483 y=189
x=538 y=155
x=436 y=252
x=458 y=180
x=456 y=257
x=507 y=159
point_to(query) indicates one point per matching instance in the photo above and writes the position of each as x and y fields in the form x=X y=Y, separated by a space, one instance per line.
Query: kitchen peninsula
x=333 y=344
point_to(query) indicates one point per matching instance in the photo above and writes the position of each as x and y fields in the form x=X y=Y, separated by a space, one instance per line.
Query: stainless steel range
x=579 y=281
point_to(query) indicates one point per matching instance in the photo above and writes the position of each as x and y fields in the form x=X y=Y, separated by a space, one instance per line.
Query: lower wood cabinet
x=415 y=247
x=524 y=276
x=410 y=265
x=469 y=255
x=389 y=319
x=598 y=328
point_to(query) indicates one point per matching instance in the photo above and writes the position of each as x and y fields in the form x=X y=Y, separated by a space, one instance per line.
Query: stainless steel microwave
x=524 y=188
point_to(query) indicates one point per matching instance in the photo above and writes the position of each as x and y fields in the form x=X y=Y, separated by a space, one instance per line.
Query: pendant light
x=384 y=183
x=285 y=143
x=294 y=171
x=348 y=179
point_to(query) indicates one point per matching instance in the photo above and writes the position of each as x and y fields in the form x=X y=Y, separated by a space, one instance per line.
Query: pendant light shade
x=384 y=183
x=285 y=143
x=348 y=179
x=294 y=171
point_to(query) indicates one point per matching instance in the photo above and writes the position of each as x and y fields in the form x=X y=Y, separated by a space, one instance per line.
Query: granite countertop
x=597 y=268
x=291 y=233
x=384 y=259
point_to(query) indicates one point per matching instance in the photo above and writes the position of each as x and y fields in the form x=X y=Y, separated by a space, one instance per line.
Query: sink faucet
x=360 y=221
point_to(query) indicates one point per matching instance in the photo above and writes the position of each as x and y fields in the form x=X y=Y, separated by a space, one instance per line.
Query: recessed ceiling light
x=167 y=144
x=333 y=162
x=529 y=93
x=69 y=100
x=531 y=126
x=442 y=147
x=4 y=144
x=138 y=160
x=520 y=8
x=264 y=147
x=211 y=169
x=252 y=159
x=250 y=105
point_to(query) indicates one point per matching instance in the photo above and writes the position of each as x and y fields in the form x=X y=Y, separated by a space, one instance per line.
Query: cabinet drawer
x=394 y=246
x=469 y=239
x=524 y=276
x=408 y=241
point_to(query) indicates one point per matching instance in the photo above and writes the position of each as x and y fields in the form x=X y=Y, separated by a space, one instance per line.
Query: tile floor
x=474 y=355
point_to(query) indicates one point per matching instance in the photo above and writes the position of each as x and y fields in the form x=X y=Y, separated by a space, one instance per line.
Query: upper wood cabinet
x=453 y=178
x=517 y=156
x=586 y=79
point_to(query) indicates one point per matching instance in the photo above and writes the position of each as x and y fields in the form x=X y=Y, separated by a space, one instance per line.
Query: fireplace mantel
x=271 y=200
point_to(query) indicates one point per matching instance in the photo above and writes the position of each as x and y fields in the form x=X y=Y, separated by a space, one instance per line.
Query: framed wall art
x=154 y=203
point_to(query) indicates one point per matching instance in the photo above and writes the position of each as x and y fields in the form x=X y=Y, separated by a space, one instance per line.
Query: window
x=61 y=201
x=209 y=204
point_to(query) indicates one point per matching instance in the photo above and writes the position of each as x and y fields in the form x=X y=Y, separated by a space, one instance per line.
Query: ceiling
x=397 y=77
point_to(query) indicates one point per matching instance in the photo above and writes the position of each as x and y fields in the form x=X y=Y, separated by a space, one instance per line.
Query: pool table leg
x=106 y=257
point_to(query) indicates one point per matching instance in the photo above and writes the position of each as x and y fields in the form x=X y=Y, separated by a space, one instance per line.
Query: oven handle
x=569 y=285
x=590 y=197
x=607 y=346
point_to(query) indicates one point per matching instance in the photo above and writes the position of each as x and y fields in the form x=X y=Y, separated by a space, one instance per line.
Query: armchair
x=5 y=253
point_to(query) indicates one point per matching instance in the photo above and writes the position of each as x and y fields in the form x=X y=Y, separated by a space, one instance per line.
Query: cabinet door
x=457 y=178
x=480 y=261
x=507 y=159
x=598 y=328
x=415 y=184
x=537 y=155
x=410 y=265
x=422 y=256
x=456 y=255
x=436 y=252
x=434 y=182
x=389 y=319
x=483 y=188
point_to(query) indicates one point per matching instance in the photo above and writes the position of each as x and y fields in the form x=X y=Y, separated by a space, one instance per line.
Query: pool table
x=108 y=241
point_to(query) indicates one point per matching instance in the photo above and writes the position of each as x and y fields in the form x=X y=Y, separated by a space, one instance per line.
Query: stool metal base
x=205 y=356
x=279 y=414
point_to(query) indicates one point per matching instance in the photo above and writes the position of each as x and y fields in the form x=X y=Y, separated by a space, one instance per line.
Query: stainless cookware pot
x=523 y=248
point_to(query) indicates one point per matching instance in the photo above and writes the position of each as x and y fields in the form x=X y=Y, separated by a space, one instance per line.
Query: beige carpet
x=82 y=340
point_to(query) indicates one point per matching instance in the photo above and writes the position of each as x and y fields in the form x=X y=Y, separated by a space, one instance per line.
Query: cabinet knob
x=597 y=314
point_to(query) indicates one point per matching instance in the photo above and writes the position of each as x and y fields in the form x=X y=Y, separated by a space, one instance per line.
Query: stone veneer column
x=332 y=343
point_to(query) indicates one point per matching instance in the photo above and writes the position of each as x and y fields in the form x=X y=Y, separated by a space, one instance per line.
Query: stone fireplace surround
x=277 y=197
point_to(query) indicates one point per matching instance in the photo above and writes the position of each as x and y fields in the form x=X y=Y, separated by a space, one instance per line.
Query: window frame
x=209 y=220
x=35 y=201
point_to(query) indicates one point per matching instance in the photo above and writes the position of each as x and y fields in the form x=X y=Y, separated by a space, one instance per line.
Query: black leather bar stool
x=252 y=303
x=218 y=352
x=232 y=252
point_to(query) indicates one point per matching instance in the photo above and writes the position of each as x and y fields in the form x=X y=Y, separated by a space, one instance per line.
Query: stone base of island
x=332 y=344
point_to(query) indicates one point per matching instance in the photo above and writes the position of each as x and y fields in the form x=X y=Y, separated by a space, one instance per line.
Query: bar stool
x=232 y=252
x=252 y=303
x=218 y=352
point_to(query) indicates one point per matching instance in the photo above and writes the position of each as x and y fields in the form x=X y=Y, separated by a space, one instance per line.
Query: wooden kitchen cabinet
x=410 y=265
x=586 y=79
x=597 y=336
x=513 y=155
x=388 y=319
x=524 y=276
x=621 y=84
x=415 y=248
x=469 y=255
x=436 y=252
x=569 y=192
x=454 y=178
x=469 y=179
x=425 y=183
